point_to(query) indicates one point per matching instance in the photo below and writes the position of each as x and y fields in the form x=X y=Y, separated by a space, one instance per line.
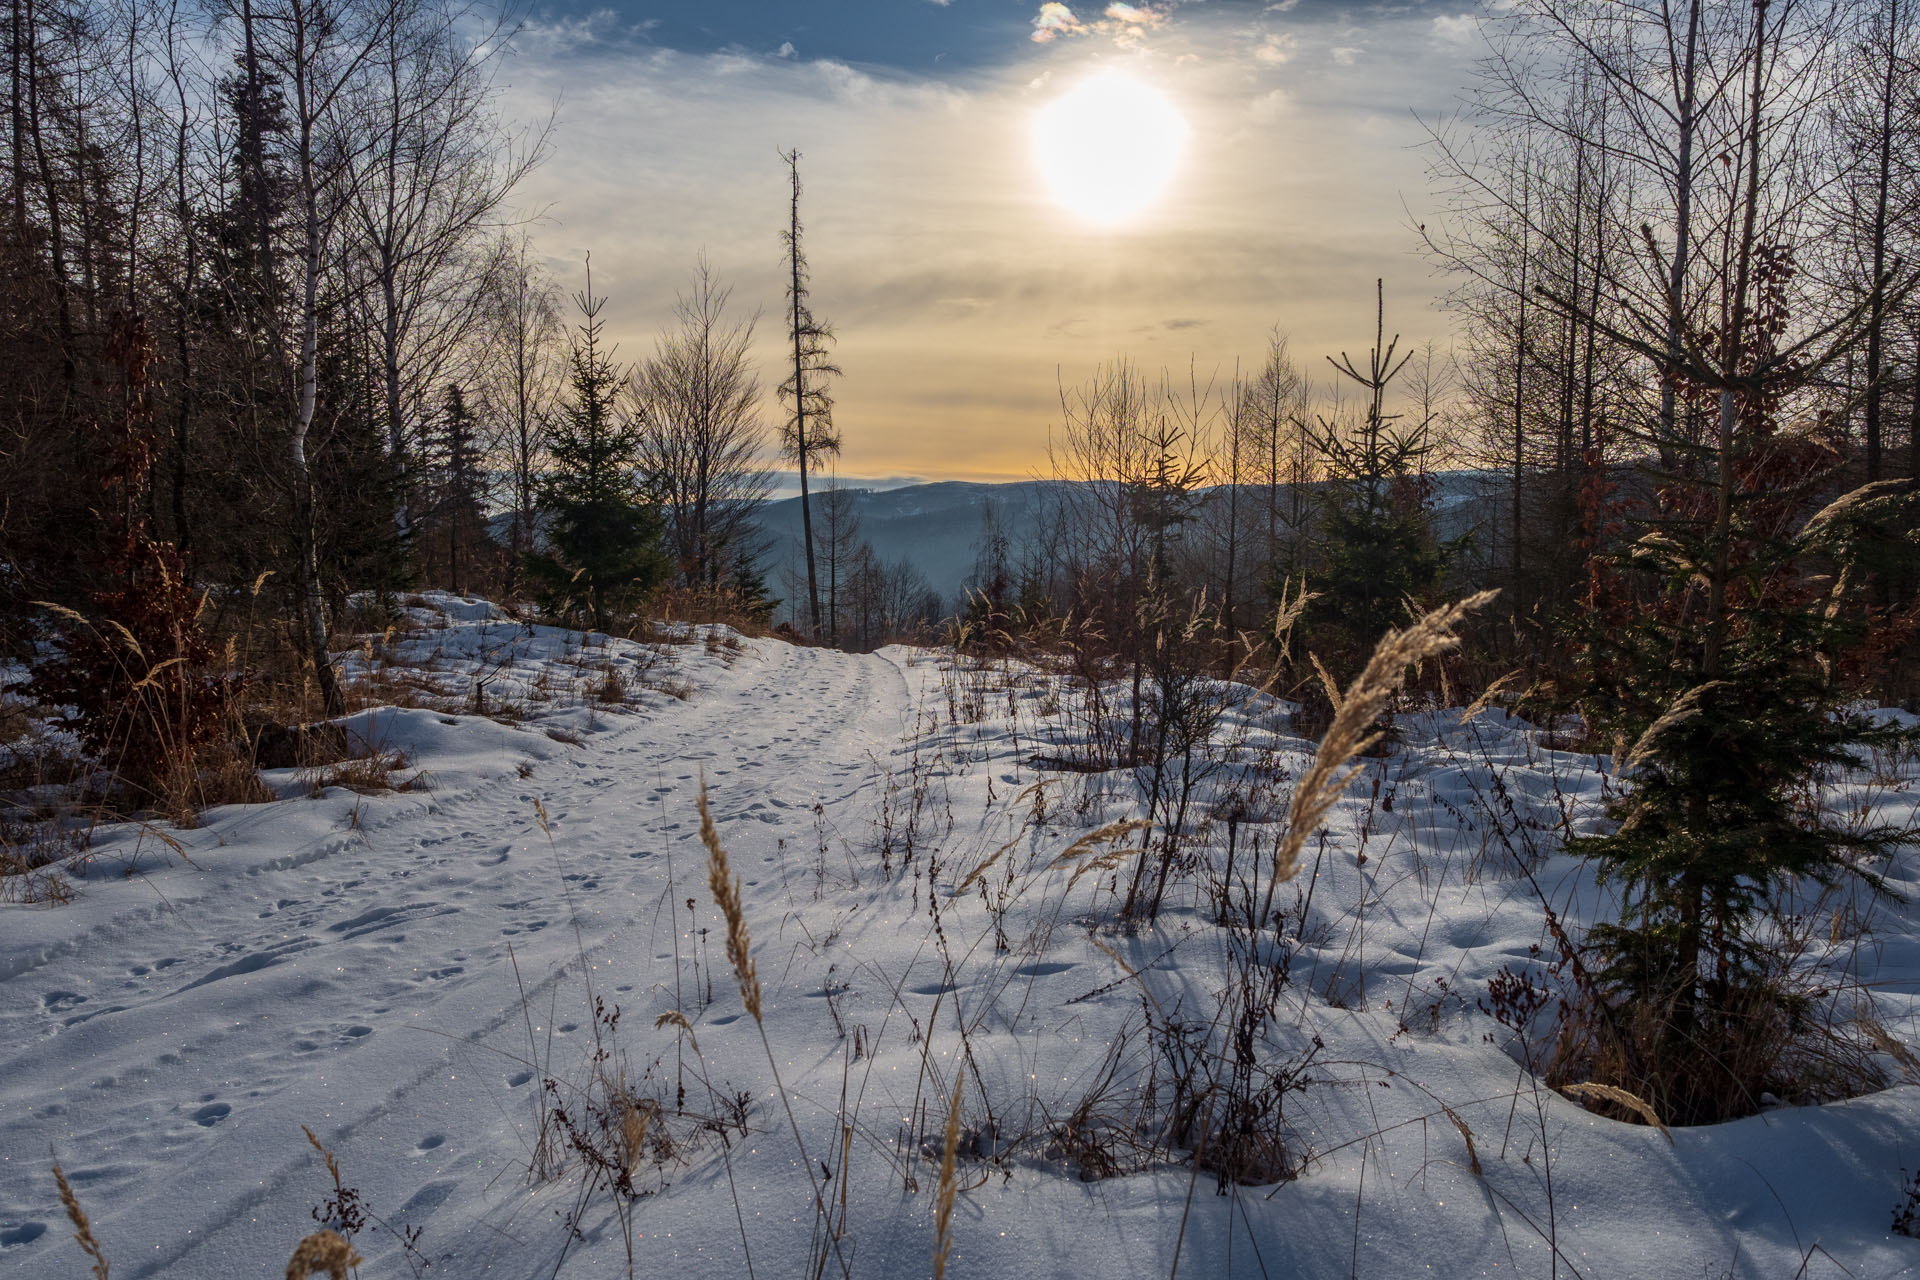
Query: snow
x=400 y=970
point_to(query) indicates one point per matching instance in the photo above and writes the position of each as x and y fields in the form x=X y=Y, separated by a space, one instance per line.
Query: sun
x=1108 y=147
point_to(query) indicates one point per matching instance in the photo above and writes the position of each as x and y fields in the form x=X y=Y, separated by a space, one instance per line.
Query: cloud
x=1456 y=28
x=1183 y=322
x=1271 y=105
x=1276 y=47
x=1054 y=21
x=1347 y=55
x=786 y=50
x=1126 y=23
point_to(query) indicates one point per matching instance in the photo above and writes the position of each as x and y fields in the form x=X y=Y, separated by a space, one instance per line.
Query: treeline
x=271 y=330
x=264 y=306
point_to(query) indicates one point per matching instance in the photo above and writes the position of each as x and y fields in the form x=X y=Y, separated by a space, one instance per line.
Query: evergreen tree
x=356 y=481
x=457 y=489
x=603 y=535
x=1376 y=547
x=1718 y=654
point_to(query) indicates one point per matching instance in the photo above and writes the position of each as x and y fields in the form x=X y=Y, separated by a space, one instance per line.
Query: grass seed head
x=726 y=895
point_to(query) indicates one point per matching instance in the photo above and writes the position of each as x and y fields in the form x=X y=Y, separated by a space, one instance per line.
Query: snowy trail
x=330 y=991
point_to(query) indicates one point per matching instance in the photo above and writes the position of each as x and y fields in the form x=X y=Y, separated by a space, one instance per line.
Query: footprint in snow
x=61 y=1001
x=425 y=1200
x=430 y=1142
x=18 y=1233
x=212 y=1114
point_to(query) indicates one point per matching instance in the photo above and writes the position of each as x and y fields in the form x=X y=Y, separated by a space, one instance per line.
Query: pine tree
x=603 y=535
x=1716 y=651
x=458 y=487
x=1376 y=547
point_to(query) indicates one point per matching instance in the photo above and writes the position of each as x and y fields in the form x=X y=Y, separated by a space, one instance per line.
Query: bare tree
x=427 y=192
x=321 y=50
x=808 y=434
x=521 y=366
x=701 y=441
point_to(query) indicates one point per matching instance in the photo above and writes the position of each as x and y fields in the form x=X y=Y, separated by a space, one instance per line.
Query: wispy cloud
x=1276 y=47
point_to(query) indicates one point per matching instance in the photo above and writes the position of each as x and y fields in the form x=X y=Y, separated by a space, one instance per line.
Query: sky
x=965 y=293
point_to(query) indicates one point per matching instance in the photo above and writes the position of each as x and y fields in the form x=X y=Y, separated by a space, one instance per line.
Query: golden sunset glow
x=1108 y=147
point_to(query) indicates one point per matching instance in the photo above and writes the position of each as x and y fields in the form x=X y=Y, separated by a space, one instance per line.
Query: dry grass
x=1620 y=1098
x=370 y=774
x=31 y=851
x=949 y=1183
x=82 y=1228
x=326 y=1251
x=1356 y=717
x=725 y=887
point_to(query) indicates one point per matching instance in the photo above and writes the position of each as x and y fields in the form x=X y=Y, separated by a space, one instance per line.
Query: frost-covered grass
x=405 y=970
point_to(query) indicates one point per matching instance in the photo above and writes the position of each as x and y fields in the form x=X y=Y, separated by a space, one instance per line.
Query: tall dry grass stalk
x=1685 y=708
x=326 y=1251
x=1488 y=694
x=1356 y=717
x=725 y=887
x=82 y=1228
x=949 y=1182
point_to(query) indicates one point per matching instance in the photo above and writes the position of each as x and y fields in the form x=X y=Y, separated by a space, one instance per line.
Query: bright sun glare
x=1108 y=147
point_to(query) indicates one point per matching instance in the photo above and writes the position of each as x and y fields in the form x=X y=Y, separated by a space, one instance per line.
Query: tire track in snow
x=282 y=983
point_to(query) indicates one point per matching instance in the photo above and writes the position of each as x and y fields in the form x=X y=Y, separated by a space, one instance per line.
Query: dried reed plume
x=1355 y=715
x=726 y=895
x=1466 y=1136
x=1327 y=682
x=82 y=1229
x=673 y=1017
x=1290 y=612
x=1684 y=708
x=979 y=873
x=943 y=1207
x=1069 y=857
x=1487 y=695
x=1620 y=1098
x=326 y=1251
x=1849 y=506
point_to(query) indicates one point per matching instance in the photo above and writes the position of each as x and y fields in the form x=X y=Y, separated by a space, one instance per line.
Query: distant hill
x=936 y=527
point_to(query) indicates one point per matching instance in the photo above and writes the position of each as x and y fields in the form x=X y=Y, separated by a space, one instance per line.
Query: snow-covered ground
x=402 y=970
